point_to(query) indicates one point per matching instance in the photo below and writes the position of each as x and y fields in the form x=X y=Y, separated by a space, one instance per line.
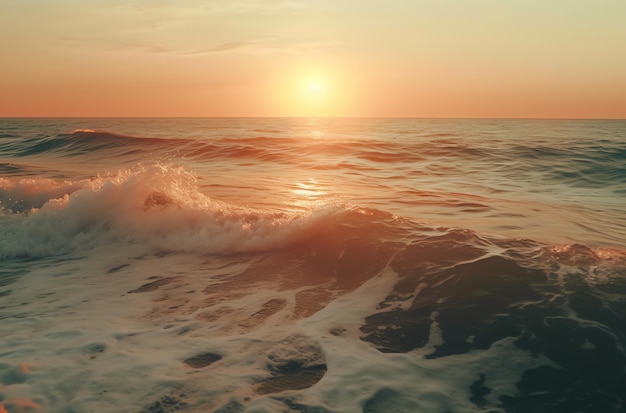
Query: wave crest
x=158 y=205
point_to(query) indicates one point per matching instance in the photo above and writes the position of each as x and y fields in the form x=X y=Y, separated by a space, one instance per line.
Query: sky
x=370 y=58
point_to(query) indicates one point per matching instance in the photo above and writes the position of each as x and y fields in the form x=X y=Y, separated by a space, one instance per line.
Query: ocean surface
x=312 y=265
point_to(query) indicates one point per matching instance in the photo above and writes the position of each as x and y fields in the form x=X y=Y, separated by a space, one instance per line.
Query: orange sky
x=405 y=58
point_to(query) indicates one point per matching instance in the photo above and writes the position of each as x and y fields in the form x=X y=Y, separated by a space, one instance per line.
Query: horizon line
x=313 y=117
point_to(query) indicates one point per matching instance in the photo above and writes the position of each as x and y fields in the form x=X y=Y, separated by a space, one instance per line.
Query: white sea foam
x=83 y=343
x=159 y=206
x=24 y=194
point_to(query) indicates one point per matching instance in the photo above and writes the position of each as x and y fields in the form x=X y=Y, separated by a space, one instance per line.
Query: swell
x=585 y=165
x=578 y=166
x=89 y=143
x=14 y=169
x=85 y=142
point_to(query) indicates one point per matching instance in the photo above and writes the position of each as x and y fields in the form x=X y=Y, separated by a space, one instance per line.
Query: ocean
x=312 y=265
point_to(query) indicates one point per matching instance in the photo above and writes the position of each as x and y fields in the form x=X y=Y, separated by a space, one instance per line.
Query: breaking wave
x=162 y=207
x=157 y=205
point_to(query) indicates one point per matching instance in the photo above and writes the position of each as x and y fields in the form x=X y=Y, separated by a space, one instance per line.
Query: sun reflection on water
x=316 y=133
x=309 y=193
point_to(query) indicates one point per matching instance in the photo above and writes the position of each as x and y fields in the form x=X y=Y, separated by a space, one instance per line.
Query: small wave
x=89 y=142
x=389 y=157
x=87 y=131
x=11 y=168
x=440 y=135
x=578 y=255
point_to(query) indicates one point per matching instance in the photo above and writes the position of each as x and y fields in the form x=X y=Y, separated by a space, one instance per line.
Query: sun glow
x=314 y=91
x=315 y=87
x=310 y=90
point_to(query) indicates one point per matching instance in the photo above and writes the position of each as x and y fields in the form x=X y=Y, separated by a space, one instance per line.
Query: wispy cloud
x=187 y=28
x=224 y=47
x=110 y=45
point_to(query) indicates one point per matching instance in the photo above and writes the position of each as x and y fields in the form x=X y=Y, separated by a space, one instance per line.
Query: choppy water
x=316 y=265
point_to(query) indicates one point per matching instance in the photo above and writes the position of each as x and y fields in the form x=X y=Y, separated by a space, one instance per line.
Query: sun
x=311 y=90
x=314 y=90
x=314 y=87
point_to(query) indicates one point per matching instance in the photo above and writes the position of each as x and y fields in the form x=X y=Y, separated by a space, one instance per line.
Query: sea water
x=312 y=265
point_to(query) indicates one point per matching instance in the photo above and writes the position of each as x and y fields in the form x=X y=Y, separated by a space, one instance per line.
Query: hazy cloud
x=221 y=48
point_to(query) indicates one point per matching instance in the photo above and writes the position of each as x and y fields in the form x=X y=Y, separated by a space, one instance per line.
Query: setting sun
x=315 y=90
x=312 y=89
x=315 y=87
x=315 y=97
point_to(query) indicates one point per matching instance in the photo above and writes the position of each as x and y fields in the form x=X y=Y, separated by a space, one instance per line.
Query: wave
x=85 y=141
x=162 y=207
x=157 y=205
x=94 y=144
x=588 y=166
x=13 y=169
x=97 y=143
